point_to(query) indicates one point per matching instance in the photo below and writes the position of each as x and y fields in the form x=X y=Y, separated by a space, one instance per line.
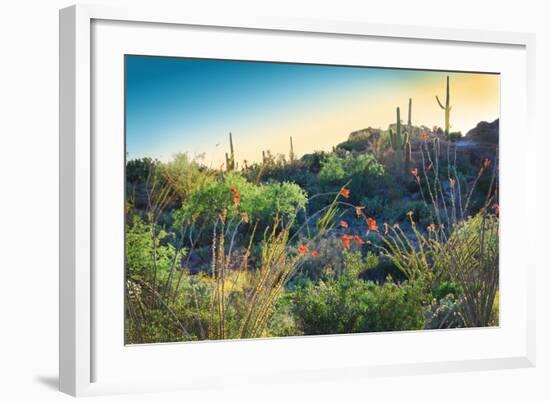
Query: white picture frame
x=82 y=344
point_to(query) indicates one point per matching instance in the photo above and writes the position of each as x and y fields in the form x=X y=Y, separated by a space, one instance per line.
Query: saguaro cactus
x=407 y=141
x=291 y=155
x=447 y=109
x=230 y=158
x=401 y=141
x=409 y=121
x=398 y=142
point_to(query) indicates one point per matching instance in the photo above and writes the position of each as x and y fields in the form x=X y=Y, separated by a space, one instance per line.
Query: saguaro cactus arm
x=439 y=101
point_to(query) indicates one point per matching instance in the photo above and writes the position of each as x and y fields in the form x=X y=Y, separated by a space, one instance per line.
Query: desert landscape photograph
x=270 y=199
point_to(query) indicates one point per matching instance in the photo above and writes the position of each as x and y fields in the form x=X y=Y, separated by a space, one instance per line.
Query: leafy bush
x=280 y=171
x=350 y=305
x=329 y=262
x=137 y=170
x=395 y=212
x=313 y=162
x=264 y=202
x=374 y=206
x=383 y=271
x=184 y=175
x=148 y=253
x=282 y=322
x=364 y=171
x=441 y=290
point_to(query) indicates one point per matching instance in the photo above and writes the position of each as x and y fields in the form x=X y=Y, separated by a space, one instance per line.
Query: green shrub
x=422 y=213
x=441 y=290
x=184 y=175
x=348 y=304
x=313 y=162
x=264 y=202
x=364 y=171
x=374 y=206
x=149 y=254
x=296 y=172
x=137 y=170
x=282 y=322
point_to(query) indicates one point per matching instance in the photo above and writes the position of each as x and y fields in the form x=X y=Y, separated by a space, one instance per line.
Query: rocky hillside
x=485 y=132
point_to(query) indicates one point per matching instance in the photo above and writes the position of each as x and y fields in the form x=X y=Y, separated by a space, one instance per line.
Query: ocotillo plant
x=447 y=109
x=230 y=158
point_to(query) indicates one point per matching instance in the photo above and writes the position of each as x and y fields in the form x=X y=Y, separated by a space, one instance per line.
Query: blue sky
x=190 y=105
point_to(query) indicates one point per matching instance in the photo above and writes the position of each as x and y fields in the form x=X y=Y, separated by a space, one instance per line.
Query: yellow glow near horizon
x=321 y=123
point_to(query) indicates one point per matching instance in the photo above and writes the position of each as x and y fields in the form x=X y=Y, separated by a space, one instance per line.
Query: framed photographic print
x=237 y=194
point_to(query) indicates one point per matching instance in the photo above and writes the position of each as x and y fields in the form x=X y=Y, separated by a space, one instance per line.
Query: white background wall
x=29 y=186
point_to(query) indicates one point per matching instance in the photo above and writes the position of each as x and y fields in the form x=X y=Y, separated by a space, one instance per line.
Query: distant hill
x=484 y=132
x=479 y=142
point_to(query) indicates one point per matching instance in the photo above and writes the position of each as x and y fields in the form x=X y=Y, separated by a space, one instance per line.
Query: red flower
x=303 y=249
x=346 y=241
x=345 y=192
x=315 y=254
x=372 y=224
x=343 y=224
x=236 y=196
x=486 y=163
x=358 y=240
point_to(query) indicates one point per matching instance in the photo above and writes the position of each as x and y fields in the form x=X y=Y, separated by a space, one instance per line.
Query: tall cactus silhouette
x=447 y=108
x=230 y=158
x=400 y=141
x=407 y=141
x=291 y=155
x=409 y=120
